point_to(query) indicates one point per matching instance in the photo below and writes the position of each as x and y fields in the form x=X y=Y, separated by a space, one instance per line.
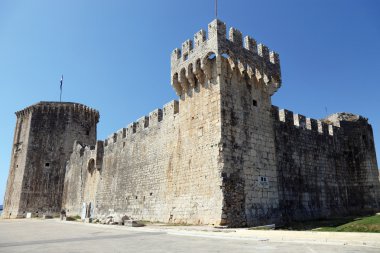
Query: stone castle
x=221 y=155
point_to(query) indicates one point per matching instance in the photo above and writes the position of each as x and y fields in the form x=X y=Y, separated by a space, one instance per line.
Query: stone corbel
x=183 y=81
x=198 y=72
x=190 y=76
x=206 y=67
x=176 y=85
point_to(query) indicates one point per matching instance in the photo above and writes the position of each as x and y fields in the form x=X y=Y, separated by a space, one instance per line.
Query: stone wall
x=40 y=153
x=325 y=169
x=248 y=150
x=248 y=74
x=82 y=177
x=223 y=154
x=280 y=167
x=12 y=196
x=163 y=167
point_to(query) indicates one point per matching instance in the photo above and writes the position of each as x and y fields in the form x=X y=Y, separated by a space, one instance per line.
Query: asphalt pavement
x=36 y=235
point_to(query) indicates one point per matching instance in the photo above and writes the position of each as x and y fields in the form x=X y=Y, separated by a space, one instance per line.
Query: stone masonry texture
x=221 y=155
x=43 y=141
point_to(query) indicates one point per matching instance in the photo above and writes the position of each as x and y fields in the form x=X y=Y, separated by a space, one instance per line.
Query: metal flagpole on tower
x=60 y=94
x=216 y=9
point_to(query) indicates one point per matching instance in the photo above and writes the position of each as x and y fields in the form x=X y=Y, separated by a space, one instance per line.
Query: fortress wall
x=82 y=178
x=160 y=172
x=163 y=167
x=279 y=166
x=361 y=158
x=15 y=180
x=132 y=175
x=224 y=154
x=323 y=170
x=248 y=150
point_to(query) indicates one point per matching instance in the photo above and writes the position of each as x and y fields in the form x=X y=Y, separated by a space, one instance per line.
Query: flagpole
x=60 y=87
x=216 y=9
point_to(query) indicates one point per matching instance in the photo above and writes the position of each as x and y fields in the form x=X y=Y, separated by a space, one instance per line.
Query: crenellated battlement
x=323 y=127
x=168 y=111
x=56 y=107
x=190 y=65
x=90 y=152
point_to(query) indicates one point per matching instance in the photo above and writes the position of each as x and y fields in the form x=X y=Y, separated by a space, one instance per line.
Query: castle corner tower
x=43 y=141
x=244 y=75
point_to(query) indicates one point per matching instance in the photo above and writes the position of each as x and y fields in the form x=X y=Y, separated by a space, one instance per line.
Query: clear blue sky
x=115 y=55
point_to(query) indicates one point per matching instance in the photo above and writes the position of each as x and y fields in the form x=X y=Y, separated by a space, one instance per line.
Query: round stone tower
x=44 y=137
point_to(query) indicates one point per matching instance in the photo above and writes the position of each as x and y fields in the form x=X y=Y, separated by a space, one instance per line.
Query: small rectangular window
x=254 y=102
x=263 y=182
x=47 y=165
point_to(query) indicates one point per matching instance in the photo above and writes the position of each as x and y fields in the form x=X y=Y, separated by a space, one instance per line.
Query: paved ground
x=56 y=236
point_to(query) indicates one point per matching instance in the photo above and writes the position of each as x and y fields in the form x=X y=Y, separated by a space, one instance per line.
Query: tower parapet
x=191 y=64
x=45 y=107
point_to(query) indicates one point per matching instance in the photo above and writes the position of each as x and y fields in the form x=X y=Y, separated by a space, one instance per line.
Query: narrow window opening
x=254 y=102
x=225 y=56
x=47 y=165
x=212 y=56
x=87 y=132
x=91 y=166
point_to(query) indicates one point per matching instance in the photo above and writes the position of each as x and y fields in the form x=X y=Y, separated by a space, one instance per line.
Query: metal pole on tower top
x=60 y=87
x=216 y=8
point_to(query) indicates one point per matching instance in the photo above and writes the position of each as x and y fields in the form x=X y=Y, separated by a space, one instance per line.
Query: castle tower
x=273 y=165
x=44 y=137
x=243 y=76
